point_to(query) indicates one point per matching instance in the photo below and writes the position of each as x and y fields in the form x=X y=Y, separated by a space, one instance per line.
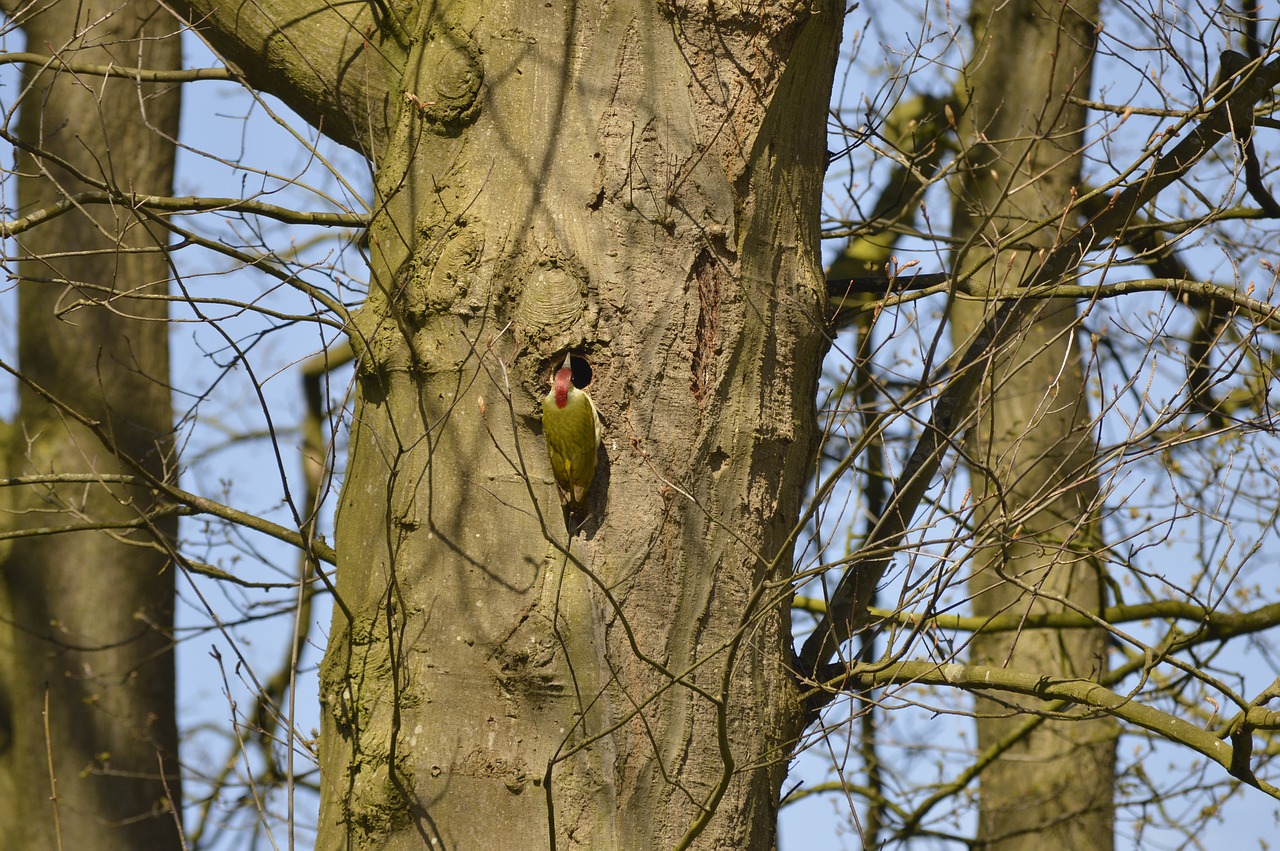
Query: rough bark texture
x=87 y=616
x=1030 y=451
x=638 y=183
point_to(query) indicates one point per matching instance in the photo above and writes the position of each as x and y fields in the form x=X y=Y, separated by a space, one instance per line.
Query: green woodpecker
x=572 y=428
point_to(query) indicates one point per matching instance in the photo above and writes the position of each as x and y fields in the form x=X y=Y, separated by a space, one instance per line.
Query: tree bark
x=1030 y=450
x=88 y=680
x=638 y=184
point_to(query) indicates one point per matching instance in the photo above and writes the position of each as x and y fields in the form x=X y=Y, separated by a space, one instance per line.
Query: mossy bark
x=639 y=184
x=618 y=189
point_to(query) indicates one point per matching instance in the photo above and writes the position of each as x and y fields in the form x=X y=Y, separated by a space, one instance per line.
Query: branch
x=1019 y=733
x=918 y=134
x=144 y=521
x=976 y=678
x=1244 y=134
x=188 y=204
x=1214 y=625
x=1268 y=314
x=199 y=504
x=58 y=64
x=338 y=65
x=1176 y=287
x=848 y=612
x=1243 y=84
x=263 y=263
x=839 y=288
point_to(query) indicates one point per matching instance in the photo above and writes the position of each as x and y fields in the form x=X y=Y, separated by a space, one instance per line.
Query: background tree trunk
x=87 y=616
x=638 y=184
x=1030 y=451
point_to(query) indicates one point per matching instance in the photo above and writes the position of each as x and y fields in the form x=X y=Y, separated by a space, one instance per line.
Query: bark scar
x=707 y=277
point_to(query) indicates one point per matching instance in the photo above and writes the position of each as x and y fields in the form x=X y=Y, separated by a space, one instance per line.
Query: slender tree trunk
x=87 y=679
x=638 y=183
x=1030 y=451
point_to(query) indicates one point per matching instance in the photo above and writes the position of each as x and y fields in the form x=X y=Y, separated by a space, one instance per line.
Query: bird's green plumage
x=573 y=437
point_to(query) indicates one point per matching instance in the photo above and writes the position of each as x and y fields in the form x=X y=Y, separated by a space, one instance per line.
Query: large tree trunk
x=638 y=183
x=87 y=676
x=1030 y=451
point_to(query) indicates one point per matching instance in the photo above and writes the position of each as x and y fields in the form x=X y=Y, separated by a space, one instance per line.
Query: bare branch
x=1086 y=693
x=142 y=75
x=189 y=204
